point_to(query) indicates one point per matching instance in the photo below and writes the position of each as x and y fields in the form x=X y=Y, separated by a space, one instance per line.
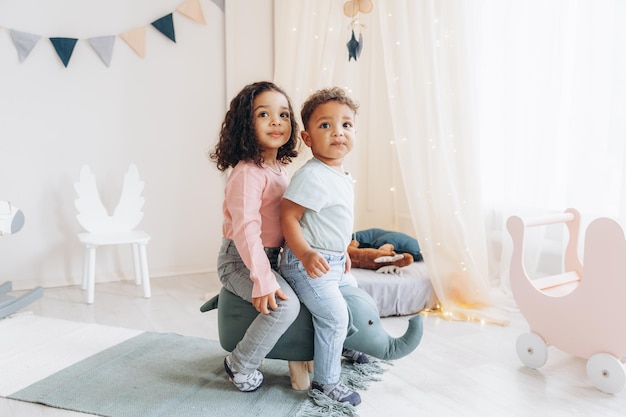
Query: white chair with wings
x=118 y=229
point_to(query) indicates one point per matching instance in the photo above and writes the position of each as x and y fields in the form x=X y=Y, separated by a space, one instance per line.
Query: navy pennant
x=64 y=48
x=165 y=25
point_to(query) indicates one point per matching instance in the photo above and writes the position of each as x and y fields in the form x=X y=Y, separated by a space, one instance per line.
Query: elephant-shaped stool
x=365 y=332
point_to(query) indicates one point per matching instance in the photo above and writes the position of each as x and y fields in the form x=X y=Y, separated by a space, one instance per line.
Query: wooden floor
x=459 y=369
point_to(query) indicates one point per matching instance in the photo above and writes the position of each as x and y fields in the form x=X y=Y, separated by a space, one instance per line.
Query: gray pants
x=266 y=329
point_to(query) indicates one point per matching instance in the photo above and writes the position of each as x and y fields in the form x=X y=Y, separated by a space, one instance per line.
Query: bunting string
x=103 y=45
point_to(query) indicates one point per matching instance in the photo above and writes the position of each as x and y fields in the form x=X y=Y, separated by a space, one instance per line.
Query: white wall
x=249 y=43
x=162 y=112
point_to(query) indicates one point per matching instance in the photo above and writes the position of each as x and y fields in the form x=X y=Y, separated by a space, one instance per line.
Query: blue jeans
x=266 y=329
x=327 y=306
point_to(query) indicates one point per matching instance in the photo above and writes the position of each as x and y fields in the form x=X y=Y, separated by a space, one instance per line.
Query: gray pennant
x=220 y=4
x=24 y=43
x=103 y=45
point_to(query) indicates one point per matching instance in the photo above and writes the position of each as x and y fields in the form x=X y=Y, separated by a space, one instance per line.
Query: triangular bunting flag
x=136 y=39
x=193 y=10
x=220 y=4
x=24 y=43
x=64 y=48
x=103 y=45
x=165 y=25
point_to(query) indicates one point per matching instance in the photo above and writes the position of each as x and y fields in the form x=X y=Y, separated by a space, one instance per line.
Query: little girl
x=258 y=137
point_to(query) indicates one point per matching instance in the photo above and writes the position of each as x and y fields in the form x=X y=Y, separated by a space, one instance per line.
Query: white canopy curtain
x=494 y=108
x=413 y=84
x=552 y=100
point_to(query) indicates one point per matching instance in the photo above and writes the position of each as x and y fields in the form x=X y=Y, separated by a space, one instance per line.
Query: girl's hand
x=262 y=303
x=314 y=264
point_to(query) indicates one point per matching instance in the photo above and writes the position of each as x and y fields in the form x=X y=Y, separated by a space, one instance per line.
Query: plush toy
x=382 y=259
x=402 y=243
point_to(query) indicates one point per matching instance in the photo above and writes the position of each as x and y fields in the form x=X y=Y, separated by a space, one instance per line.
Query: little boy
x=317 y=220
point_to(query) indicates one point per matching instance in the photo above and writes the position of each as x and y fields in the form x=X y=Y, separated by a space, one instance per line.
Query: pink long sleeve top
x=251 y=210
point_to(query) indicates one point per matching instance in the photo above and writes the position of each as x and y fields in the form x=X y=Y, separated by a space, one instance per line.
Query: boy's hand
x=348 y=263
x=261 y=303
x=314 y=264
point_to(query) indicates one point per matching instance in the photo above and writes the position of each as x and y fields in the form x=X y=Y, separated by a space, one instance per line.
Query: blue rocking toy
x=12 y=221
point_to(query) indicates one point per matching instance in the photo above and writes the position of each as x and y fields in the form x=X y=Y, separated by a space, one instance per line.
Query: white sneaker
x=243 y=382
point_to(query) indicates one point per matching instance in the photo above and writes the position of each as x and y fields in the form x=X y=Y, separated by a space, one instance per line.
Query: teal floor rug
x=151 y=374
x=164 y=374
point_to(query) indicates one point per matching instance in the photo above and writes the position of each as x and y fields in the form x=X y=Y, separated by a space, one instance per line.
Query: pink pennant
x=136 y=39
x=193 y=10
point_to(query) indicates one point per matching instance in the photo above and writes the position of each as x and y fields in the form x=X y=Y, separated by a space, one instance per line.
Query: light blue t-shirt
x=328 y=197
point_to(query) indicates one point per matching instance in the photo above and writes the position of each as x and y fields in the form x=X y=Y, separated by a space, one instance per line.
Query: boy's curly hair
x=324 y=96
x=237 y=139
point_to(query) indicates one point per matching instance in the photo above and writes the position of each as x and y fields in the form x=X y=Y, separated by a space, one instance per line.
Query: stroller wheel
x=606 y=372
x=532 y=350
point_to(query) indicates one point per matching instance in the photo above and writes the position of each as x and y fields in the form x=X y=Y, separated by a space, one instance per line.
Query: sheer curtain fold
x=429 y=84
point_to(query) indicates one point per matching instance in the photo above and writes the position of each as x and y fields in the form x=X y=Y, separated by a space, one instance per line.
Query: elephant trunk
x=402 y=346
x=367 y=334
x=382 y=346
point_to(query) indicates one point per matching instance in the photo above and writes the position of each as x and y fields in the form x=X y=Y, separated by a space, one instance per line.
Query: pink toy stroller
x=580 y=311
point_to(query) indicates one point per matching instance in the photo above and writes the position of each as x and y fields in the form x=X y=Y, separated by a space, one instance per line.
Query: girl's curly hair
x=237 y=139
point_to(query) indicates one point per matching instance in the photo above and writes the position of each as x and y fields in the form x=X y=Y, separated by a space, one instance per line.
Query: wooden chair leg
x=299 y=373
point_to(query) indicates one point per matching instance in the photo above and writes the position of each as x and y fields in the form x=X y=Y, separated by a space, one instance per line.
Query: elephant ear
x=352 y=329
